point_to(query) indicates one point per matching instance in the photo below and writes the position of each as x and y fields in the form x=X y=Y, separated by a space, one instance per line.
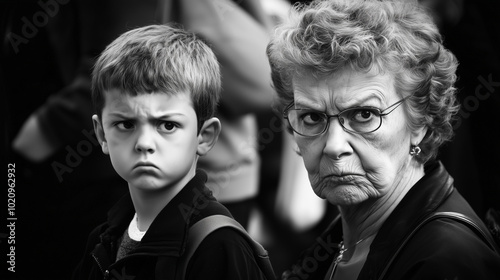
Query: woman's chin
x=344 y=195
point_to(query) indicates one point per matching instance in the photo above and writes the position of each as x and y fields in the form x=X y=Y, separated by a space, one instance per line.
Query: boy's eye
x=125 y=125
x=168 y=126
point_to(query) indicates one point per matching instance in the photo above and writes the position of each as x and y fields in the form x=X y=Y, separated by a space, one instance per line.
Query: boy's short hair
x=159 y=58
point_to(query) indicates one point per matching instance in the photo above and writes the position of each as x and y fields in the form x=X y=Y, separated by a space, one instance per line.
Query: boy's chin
x=148 y=184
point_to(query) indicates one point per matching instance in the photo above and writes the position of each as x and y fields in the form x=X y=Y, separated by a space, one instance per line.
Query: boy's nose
x=145 y=142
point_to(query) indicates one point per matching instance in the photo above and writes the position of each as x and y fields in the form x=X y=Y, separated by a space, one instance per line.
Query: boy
x=155 y=90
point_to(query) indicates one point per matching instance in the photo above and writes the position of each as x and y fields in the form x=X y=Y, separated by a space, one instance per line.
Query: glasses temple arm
x=392 y=107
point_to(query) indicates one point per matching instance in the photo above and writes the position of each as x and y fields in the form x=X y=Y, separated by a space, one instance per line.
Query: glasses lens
x=361 y=120
x=306 y=122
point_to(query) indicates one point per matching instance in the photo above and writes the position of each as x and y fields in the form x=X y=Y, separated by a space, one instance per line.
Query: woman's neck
x=364 y=220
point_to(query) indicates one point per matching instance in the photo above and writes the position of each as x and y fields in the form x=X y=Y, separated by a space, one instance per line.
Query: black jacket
x=441 y=249
x=224 y=254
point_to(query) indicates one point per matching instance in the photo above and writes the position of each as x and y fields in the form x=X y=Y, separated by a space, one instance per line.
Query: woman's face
x=347 y=168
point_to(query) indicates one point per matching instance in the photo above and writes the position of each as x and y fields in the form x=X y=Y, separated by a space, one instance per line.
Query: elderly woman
x=367 y=90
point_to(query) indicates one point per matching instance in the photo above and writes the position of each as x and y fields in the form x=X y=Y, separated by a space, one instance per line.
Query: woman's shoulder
x=447 y=235
x=447 y=249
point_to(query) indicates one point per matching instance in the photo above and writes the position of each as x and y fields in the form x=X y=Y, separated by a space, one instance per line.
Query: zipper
x=104 y=272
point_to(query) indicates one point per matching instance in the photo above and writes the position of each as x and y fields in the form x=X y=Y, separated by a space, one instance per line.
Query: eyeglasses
x=359 y=120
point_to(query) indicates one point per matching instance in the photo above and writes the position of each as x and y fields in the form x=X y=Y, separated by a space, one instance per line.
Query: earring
x=415 y=150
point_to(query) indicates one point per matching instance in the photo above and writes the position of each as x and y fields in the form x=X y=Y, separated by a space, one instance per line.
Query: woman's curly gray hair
x=323 y=37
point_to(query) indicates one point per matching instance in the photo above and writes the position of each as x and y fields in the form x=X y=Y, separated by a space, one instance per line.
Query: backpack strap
x=439 y=215
x=205 y=226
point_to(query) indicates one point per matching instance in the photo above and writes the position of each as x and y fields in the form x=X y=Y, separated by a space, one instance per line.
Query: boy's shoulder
x=224 y=248
x=218 y=247
x=196 y=201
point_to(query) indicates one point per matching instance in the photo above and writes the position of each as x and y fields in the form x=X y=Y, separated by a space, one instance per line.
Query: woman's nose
x=337 y=144
x=145 y=141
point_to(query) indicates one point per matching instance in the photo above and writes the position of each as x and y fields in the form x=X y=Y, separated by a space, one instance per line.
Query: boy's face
x=151 y=138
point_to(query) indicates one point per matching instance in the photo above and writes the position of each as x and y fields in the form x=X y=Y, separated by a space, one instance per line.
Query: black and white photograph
x=250 y=139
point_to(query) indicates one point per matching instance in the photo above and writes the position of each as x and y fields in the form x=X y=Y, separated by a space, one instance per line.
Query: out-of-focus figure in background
x=238 y=32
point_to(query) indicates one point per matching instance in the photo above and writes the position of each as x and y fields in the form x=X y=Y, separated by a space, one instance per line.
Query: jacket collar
x=166 y=234
x=423 y=198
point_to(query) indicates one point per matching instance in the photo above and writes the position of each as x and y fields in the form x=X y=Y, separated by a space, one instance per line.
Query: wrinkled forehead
x=344 y=89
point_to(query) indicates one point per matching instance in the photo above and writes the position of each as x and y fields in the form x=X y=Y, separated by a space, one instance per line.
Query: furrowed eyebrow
x=166 y=116
x=305 y=105
x=158 y=117
x=357 y=102
x=120 y=115
x=299 y=104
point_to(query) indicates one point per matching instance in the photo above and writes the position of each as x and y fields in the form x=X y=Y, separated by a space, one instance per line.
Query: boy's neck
x=148 y=204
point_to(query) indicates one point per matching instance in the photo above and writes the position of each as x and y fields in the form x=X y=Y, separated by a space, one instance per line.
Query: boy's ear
x=99 y=132
x=208 y=135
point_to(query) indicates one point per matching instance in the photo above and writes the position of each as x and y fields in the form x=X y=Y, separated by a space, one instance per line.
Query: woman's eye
x=363 y=115
x=312 y=118
x=168 y=126
x=125 y=125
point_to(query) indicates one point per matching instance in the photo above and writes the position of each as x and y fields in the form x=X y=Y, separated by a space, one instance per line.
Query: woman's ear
x=418 y=135
x=99 y=132
x=208 y=135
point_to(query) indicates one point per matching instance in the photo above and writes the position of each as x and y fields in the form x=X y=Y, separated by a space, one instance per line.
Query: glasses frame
x=381 y=113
